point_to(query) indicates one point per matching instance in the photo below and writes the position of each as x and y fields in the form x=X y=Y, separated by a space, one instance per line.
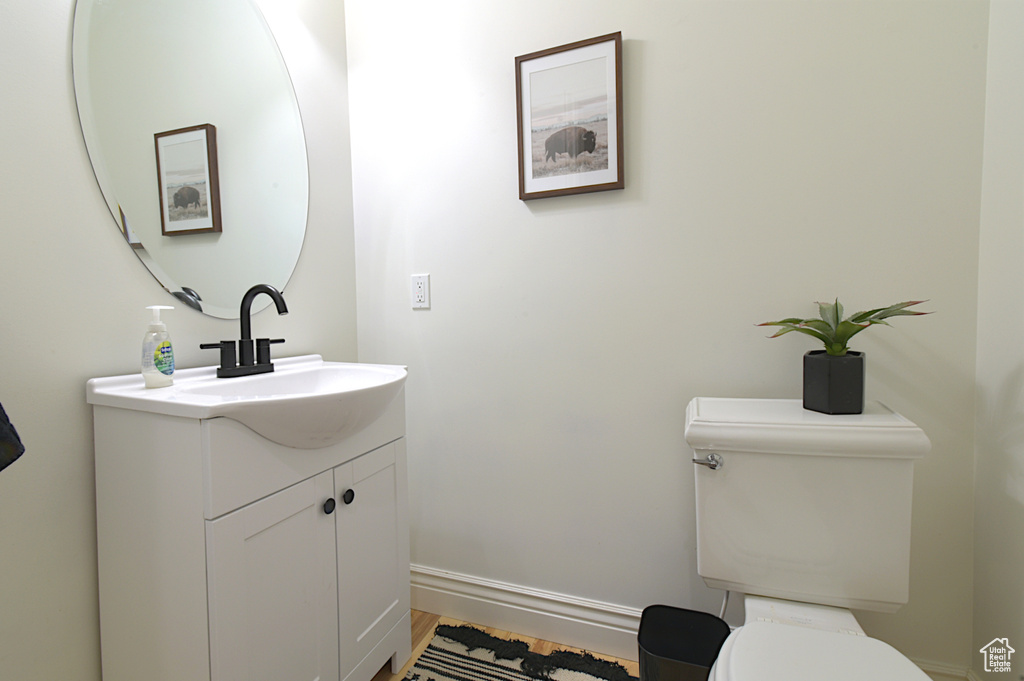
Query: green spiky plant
x=836 y=332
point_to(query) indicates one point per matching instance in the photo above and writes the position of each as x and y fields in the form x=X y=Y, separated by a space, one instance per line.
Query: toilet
x=808 y=516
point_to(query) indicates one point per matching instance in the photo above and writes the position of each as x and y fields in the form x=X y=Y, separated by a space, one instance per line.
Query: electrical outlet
x=420 y=291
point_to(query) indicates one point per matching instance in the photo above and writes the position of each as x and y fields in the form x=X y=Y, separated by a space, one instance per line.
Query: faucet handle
x=263 y=349
x=227 y=352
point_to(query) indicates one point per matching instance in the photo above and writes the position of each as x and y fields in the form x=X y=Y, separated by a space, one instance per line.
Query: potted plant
x=834 y=377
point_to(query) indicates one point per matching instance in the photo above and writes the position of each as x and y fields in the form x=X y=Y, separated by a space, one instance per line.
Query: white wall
x=999 y=519
x=73 y=299
x=777 y=153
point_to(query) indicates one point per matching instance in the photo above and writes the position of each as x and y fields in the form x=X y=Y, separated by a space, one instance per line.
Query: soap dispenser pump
x=157 y=353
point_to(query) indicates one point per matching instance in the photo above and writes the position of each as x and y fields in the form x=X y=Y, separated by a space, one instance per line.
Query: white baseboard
x=590 y=625
x=972 y=675
x=938 y=671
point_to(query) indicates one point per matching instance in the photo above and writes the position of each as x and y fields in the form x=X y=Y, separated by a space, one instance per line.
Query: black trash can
x=678 y=644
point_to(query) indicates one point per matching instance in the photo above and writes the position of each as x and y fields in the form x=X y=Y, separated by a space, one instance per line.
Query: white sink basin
x=305 y=402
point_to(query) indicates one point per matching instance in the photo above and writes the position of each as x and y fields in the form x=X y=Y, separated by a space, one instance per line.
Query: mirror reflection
x=145 y=70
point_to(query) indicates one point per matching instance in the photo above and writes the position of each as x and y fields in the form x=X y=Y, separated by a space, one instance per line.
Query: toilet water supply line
x=725 y=602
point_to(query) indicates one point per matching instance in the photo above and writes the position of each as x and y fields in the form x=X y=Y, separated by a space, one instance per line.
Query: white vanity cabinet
x=273 y=587
x=227 y=557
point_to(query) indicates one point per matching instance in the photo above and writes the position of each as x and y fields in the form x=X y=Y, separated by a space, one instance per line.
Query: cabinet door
x=370 y=579
x=273 y=588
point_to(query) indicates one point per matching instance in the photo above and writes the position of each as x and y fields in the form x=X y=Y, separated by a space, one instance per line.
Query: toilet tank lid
x=785 y=427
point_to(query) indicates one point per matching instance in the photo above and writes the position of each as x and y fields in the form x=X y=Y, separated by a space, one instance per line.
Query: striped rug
x=467 y=654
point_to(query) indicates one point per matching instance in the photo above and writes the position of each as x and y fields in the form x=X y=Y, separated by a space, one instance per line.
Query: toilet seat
x=769 y=651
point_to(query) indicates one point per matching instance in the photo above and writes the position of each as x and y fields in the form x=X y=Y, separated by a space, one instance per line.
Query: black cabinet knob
x=349 y=496
x=329 y=506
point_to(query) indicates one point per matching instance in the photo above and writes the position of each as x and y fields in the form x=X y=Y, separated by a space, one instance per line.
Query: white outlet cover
x=420 y=291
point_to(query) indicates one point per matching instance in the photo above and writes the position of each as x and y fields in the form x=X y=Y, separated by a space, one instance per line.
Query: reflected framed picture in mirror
x=186 y=168
x=126 y=230
x=569 y=111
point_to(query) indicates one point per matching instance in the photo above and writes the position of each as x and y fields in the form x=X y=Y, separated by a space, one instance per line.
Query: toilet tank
x=805 y=506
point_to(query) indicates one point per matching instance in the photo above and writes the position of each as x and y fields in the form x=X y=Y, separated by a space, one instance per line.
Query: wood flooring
x=424 y=623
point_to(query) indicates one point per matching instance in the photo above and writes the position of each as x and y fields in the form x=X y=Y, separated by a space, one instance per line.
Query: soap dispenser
x=157 y=354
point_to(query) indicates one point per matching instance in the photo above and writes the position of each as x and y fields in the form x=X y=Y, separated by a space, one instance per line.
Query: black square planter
x=834 y=385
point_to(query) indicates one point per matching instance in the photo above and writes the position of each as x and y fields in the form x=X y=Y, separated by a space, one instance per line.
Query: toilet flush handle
x=713 y=461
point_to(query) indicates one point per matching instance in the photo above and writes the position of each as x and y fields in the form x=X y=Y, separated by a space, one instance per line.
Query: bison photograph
x=578 y=148
x=569 y=111
x=188 y=202
x=573 y=140
x=185 y=197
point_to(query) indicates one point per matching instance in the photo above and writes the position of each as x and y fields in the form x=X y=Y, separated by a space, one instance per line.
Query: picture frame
x=186 y=169
x=569 y=116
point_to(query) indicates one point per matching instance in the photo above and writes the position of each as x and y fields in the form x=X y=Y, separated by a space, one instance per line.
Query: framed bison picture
x=186 y=169
x=569 y=111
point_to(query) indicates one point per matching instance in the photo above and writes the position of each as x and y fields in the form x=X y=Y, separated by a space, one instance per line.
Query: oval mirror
x=194 y=134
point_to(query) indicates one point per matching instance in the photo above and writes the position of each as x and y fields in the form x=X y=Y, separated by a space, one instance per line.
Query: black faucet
x=248 y=364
